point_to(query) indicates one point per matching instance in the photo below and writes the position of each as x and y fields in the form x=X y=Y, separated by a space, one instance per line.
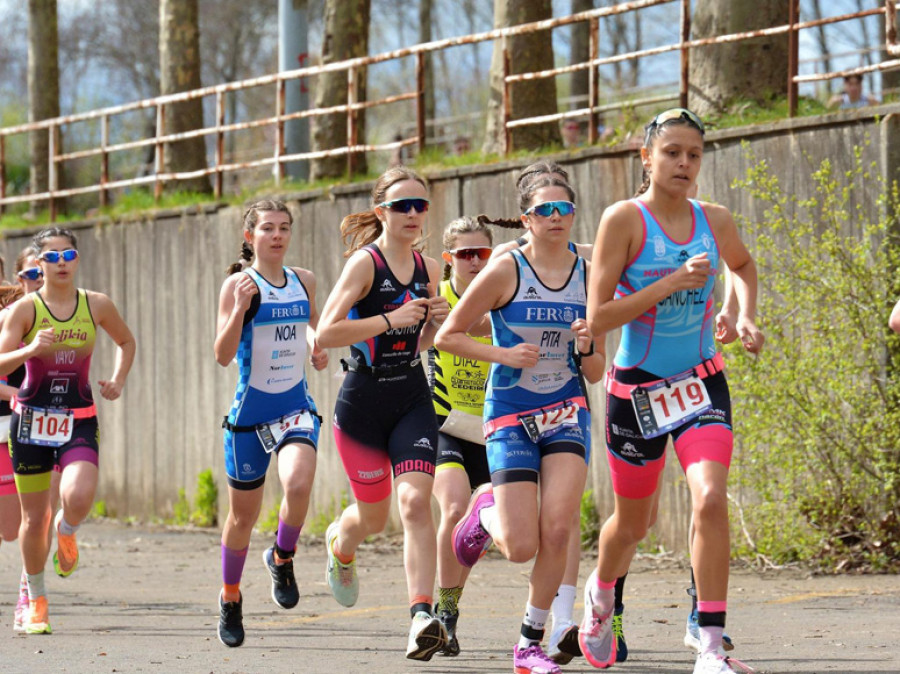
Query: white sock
x=710 y=639
x=35 y=585
x=535 y=619
x=487 y=517
x=65 y=528
x=604 y=598
x=563 y=605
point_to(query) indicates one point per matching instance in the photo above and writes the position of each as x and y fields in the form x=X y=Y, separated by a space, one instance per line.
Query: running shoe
x=426 y=637
x=619 y=632
x=470 y=539
x=598 y=644
x=342 y=578
x=692 y=635
x=563 y=644
x=448 y=620
x=65 y=559
x=712 y=663
x=231 y=621
x=20 y=617
x=38 y=620
x=284 y=585
x=533 y=660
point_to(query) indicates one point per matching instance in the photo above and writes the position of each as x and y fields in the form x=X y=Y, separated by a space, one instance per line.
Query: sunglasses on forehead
x=32 y=274
x=481 y=252
x=677 y=113
x=54 y=256
x=406 y=205
x=546 y=209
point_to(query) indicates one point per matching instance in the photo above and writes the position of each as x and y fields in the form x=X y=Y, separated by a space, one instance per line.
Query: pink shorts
x=7 y=478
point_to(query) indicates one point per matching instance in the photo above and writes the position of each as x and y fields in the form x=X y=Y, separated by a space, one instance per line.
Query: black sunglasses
x=406 y=204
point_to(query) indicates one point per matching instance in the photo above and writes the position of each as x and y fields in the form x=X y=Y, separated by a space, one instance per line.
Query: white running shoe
x=563 y=643
x=342 y=578
x=596 y=638
x=426 y=637
x=712 y=663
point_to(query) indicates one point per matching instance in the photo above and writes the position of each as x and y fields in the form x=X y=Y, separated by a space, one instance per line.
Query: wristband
x=589 y=353
x=388 y=321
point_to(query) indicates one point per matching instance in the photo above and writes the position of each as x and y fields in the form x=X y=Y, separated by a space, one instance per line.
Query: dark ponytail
x=505 y=223
x=645 y=184
x=250 y=220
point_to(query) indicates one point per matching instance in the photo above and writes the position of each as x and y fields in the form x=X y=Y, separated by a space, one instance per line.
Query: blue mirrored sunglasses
x=406 y=205
x=53 y=256
x=32 y=274
x=546 y=209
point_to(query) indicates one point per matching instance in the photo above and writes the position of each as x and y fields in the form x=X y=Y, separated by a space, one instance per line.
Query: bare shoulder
x=718 y=215
x=502 y=248
x=306 y=276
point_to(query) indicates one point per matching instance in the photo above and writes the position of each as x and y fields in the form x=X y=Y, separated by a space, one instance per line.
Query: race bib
x=272 y=433
x=668 y=404
x=51 y=428
x=547 y=422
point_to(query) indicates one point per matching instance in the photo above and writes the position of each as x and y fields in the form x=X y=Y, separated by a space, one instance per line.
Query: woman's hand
x=410 y=313
x=584 y=340
x=244 y=290
x=521 y=356
x=751 y=336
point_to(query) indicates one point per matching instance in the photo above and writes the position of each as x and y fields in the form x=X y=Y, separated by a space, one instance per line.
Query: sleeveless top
x=542 y=316
x=14 y=379
x=457 y=383
x=58 y=379
x=272 y=352
x=677 y=333
x=847 y=104
x=397 y=346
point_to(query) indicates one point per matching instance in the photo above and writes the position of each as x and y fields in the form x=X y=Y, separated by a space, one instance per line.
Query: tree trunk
x=753 y=70
x=425 y=35
x=890 y=79
x=43 y=87
x=346 y=37
x=824 y=50
x=580 y=52
x=527 y=53
x=179 y=67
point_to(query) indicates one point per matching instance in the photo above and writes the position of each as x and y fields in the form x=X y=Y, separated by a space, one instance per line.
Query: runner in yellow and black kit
x=457 y=386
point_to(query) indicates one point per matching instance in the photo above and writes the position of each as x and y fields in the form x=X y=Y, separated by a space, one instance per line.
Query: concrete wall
x=164 y=272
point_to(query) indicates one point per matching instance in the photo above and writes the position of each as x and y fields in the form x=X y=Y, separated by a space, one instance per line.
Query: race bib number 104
x=665 y=405
x=51 y=428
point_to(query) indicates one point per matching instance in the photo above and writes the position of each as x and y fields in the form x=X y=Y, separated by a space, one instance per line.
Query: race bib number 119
x=665 y=405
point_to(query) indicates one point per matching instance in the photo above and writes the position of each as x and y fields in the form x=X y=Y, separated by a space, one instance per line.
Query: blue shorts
x=246 y=459
x=514 y=457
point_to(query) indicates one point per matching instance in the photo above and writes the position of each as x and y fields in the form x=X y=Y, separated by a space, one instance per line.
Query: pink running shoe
x=533 y=660
x=596 y=638
x=470 y=539
x=21 y=612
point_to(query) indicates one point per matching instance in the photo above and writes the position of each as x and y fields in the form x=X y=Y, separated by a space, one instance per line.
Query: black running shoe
x=231 y=622
x=284 y=585
x=448 y=620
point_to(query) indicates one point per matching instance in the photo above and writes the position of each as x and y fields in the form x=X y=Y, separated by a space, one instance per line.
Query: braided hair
x=250 y=220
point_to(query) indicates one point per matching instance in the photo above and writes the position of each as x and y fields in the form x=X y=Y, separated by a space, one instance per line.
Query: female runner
x=384 y=423
x=54 y=419
x=457 y=387
x=536 y=420
x=655 y=259
x=267 y=319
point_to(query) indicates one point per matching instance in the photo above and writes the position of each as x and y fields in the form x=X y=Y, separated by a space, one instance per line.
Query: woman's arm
x=234 y=300
x=438 y=306
x=16 y=325
x=107 y=317
x=335 y=329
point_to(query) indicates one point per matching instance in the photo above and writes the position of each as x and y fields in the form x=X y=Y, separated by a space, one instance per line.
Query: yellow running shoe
x=65 y=559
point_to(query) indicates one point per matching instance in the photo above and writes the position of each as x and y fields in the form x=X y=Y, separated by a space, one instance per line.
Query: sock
x=65 y=528
x=23 y=584
x=487 y=516
x=563 y=605
x=232 y=570
x=35 y=585
x=420 y=602
x=604 y=596
x=620 y=590
x=286 y=541
x=533 y=626
x=711 y=621
x=342 y=558
x=448 y=599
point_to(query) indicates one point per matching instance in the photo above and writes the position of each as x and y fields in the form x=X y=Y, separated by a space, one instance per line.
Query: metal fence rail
x=278 y=158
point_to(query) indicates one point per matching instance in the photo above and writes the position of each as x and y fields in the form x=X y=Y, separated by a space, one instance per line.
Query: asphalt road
x=144 y=600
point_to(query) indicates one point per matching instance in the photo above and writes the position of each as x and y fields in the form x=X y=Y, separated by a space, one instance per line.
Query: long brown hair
x=250 y=219
x=361 y=229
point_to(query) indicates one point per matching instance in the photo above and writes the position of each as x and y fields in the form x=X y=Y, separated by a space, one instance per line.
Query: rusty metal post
x=280 y=96
x=351 y=120
x=593 y=80
x=890 y=25
x=507 y=106
x=2 y=171
x=160 y=150
x=793 y=56
x=220 y=142
x=685 y=85
x=104 y=161
x=420 y=99
x=53 y=138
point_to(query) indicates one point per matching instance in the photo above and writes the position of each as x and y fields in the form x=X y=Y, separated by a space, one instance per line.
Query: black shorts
x=470 y=456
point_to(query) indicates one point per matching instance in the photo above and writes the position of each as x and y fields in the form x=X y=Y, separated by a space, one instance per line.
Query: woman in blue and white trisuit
x=536 y=420
x=267 y=320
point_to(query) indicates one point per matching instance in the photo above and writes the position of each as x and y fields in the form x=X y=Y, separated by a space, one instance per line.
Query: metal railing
x=279 y=157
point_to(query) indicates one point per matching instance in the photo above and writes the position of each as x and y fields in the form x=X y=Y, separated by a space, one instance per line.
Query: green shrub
x=181 y=511
x=206 y=509
x=590 y=521
x=818 y=413
x=98 y=510
x=269 y=524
